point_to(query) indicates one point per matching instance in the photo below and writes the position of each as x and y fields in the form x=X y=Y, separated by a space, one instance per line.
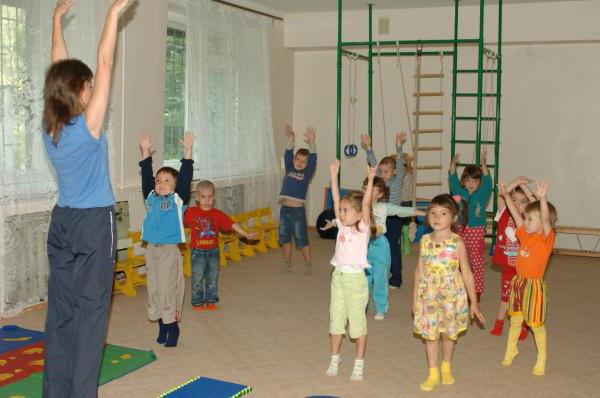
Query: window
x=174 y=119
x=14 y=110
x=25 y=43
x=218 y=87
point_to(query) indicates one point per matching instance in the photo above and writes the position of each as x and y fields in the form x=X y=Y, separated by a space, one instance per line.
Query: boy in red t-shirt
x=206 y=222
x=528 y=298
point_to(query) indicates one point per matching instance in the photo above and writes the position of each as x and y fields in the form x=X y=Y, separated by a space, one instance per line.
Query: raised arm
x=96 y=109
x=334 y=169
x=400 y=140
x=310 y=138
x=288 y=156
x=484 y=168
x=453 y=164
x=514 y=212
x=291 y=136
x=525 y=187
x=400 y=171
x=540 y=192
x=146 y=165
x=59 y=49
x=366 y=203
x=487 y=184
x=186 y=171
x=517 y=182
x=366 y=144
x=453 y=181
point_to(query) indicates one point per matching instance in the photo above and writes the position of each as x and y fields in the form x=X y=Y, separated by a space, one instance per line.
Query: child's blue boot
x=172 y=334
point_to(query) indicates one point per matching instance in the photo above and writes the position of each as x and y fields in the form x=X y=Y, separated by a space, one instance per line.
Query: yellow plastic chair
x=229 y=248
x=130 y=267
x=265 y=221
x=136 y=260
x=244 y=248
x=123 y=285
x=185 y=249
x=251 y=224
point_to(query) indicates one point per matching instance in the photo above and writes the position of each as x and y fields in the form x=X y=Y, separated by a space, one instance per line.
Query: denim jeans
x=292 y=222
x=205 y=276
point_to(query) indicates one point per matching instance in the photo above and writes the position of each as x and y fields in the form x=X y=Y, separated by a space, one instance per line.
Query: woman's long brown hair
x=65 y=80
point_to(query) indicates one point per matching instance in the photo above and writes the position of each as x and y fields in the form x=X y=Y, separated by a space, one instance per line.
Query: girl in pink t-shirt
x=349 y=290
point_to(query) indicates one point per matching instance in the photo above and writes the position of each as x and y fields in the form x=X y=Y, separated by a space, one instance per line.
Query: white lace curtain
x=229 y=103
x=27 y=184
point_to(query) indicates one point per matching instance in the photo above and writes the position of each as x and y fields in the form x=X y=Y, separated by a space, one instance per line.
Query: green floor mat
x=117 y=362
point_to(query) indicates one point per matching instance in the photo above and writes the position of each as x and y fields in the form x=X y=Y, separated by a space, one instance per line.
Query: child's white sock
x=357 y=372
x=332 y=370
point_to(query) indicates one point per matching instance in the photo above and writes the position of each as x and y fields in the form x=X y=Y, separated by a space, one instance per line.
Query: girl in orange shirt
x=528 y=297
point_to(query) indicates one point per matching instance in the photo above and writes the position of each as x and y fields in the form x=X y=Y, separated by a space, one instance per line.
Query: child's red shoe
x=524 y=332
x=211 y=307
x=498 y=326
x=199 y=308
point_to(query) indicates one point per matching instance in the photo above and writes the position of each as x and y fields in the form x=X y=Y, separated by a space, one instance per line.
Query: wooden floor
x=271 y=332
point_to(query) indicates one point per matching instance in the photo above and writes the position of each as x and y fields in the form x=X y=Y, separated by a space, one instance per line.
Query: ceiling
x=293 y=6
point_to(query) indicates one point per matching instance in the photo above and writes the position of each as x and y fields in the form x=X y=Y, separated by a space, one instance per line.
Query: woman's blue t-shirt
x=81 y=164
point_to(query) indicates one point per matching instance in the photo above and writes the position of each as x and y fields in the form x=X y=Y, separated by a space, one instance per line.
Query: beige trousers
x=166 y=286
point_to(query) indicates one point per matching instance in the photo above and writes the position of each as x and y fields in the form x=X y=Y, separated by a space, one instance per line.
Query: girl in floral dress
x=443 y=278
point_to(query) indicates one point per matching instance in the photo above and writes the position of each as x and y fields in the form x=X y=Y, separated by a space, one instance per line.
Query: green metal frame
x=342 y=48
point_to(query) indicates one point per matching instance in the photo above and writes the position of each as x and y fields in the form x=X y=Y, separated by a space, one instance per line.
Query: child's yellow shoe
x=539 y=333
x=539 y=369
x=516 y=321
x=447 y=377
x=432 y=381
x=509 y=356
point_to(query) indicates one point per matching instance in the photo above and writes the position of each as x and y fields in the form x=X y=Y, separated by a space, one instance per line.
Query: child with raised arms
x=299 y=169
x=507 y=246
x=393 y=177
x=166 y=199
x=378 y=255
x=475 y=189
x=528 y=296
x=349 y=291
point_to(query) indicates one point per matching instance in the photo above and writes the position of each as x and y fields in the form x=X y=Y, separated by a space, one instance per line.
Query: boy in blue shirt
x=165 y=199
x=299 y=170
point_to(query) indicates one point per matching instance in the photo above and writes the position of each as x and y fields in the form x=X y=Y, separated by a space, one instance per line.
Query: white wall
x=138 y=91
x=534 y=22
x=549 y=127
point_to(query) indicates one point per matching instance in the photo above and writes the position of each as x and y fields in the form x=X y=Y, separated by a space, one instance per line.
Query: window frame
x=177 y=21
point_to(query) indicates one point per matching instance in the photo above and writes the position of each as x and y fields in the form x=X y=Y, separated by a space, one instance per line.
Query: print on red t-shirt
x=205 y=226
